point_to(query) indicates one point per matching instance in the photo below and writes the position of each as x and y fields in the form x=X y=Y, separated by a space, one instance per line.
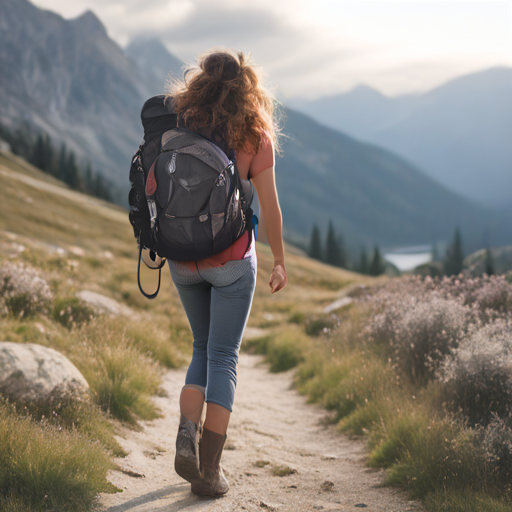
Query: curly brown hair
x=224 y=90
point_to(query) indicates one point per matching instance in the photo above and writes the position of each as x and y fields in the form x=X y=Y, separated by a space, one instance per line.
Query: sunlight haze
x=312 y=48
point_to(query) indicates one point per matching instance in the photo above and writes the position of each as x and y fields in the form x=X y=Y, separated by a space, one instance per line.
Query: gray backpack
x=188 y=200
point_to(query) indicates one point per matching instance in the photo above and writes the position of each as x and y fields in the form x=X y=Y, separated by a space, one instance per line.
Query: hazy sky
x=312 y=48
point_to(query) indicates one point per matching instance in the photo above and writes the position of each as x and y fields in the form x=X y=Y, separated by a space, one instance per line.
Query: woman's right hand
x=278 y=278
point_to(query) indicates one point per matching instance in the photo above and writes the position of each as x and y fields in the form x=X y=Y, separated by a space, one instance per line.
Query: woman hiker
x=223 y=99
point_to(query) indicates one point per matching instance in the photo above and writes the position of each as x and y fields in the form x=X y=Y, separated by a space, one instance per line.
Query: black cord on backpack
x=153 y=295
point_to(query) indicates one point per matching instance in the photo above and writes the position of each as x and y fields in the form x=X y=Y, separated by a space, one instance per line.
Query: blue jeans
x=217 y=301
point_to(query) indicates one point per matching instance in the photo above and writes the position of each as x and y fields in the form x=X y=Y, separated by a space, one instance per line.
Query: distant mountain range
x=372 y=194
x=459 y=133
x=70 y=80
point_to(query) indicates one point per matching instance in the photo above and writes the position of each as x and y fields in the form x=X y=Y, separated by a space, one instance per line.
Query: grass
x=43 y=468
x=77 y=414
x=441 y=455
x=121 y=377
x=466 y=501
x=284 y=348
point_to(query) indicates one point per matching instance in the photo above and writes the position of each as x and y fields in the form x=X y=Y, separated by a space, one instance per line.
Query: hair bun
x=221 y=67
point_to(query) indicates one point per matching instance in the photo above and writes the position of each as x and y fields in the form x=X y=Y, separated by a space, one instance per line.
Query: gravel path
x=271 y=426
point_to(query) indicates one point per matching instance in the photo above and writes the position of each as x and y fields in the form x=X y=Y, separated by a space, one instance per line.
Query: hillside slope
x=42 y=214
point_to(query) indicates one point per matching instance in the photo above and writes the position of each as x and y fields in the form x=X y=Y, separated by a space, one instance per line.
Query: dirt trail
x=270 y=423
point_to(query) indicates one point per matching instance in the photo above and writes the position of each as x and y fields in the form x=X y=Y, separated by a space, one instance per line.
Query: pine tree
x=332 y=248
x=72 y=174
x=315 y=244
x=43 y=155
x=37 y=158
x=454 y=256
x=489 y=263
x=376 y=267
x=363 y=262
x=62 y=163
x=343 y=252
x=88 y=184
x=50 y=163
x=102 y=188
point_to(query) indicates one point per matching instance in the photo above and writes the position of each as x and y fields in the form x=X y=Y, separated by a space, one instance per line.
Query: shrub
x=477 y=378
x=286 y=350
x=122 y=381
x=22 y=291
x=321 y=324
x=494 y=298
x=419 y=331
x=491 y=296
x=496 y=441
x=71 y=312
x=297 y=317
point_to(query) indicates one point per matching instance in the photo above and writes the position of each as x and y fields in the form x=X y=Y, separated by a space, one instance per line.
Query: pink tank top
x=256 y=163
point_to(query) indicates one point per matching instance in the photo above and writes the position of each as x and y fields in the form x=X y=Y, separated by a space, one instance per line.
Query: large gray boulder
x=32 y=372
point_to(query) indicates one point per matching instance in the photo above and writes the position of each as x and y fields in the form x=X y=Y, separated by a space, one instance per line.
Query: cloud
x=319 y=47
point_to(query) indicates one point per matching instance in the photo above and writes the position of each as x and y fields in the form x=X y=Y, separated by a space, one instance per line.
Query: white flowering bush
x=417 y=330
x=495 y=440
x=23 y=292
x=490 y=296
x=477 y=378
x=422 y=320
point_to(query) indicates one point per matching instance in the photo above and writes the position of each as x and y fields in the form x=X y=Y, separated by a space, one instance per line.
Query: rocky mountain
x=458 y=133
x=70 y=80
x=155 y=63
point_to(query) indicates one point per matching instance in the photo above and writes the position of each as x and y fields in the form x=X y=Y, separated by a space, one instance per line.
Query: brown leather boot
x=213 y=481
x=186 y=461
